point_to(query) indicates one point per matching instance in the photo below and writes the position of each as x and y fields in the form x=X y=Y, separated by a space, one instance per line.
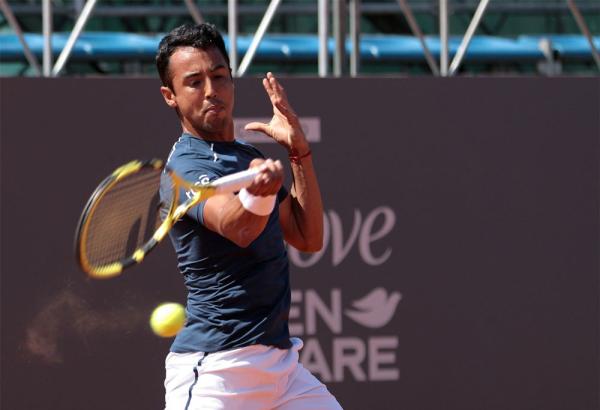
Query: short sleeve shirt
x=236 y=296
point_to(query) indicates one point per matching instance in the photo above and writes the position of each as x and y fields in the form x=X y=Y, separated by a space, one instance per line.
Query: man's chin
x=216 y=127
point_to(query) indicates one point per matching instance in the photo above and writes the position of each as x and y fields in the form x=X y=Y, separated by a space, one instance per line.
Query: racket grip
x=235 y=182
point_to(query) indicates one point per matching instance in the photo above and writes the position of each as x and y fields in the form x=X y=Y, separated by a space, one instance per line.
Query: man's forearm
x=238 y=224
x=307 y=206
x=241 y=218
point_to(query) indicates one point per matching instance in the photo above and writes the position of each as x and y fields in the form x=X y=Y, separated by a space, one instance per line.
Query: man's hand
x=284 y=126
x=269 y=180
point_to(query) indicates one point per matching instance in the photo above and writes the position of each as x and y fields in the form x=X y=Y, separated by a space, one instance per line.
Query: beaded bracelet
x=295 y=158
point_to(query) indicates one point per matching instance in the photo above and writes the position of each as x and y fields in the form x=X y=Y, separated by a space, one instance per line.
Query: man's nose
x=209 y=89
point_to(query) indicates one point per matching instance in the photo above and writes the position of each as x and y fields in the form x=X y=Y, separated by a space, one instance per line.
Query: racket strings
x=125 y=219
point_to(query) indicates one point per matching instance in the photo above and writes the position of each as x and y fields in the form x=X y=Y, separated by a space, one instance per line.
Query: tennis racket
x=124 y=219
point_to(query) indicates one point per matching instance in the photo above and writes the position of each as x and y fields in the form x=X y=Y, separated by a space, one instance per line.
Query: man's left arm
x=301 y=212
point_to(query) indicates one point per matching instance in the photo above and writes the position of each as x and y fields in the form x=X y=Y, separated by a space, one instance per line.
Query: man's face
x=202 y=90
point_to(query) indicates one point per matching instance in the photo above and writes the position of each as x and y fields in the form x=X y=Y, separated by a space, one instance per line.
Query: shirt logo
x=202 y=180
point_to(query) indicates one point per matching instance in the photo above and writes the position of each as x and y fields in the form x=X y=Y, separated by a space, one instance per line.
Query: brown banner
x=460 y=266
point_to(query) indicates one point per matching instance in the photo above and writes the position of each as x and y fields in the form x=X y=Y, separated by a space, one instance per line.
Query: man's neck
x=226 y=135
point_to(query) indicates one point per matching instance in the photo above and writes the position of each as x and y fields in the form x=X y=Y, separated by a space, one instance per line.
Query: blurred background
x=362 y=37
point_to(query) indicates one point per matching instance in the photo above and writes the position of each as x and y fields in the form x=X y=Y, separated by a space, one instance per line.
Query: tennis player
x=235 y=351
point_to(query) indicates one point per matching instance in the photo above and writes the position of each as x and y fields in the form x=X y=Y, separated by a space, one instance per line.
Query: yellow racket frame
x=230 y=183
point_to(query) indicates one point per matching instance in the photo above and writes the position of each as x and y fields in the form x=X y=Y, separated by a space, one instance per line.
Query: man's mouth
x=214 y=108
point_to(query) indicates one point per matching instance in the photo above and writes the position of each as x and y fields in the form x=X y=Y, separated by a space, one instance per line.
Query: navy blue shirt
x=236 y=296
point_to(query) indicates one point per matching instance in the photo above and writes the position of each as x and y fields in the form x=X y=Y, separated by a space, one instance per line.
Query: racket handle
x=235 y=182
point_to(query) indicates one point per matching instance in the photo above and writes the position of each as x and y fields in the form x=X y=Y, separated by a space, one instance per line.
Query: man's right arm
x=240 y=219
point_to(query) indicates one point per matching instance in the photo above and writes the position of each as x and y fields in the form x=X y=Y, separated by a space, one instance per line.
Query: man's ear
x=169 y=96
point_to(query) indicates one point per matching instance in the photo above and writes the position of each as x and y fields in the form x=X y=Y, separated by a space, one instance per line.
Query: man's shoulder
x=190 y=158
x=188 y=148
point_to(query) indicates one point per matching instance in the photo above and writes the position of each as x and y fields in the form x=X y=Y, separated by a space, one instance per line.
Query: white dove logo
x=375 y=309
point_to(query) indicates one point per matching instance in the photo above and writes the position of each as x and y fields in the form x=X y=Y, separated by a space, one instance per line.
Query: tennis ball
x=167 y=319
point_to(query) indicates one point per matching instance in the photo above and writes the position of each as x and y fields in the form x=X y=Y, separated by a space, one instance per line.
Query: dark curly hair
x=202 y=36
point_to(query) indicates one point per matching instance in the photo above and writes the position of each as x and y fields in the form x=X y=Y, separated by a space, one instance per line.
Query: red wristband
x=296 y=158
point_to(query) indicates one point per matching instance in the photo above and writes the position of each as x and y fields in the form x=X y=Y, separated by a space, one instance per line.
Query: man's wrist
x=258 y=205
x=299 y=150
x=297 y=157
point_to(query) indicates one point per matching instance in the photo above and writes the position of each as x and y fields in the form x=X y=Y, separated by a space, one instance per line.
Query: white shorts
x=250 y=378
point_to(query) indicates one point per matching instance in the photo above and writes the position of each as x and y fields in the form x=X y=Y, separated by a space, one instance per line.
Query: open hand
x=284 y=126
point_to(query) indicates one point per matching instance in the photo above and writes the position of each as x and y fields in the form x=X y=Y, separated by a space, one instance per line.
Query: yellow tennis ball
x=167 y=319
